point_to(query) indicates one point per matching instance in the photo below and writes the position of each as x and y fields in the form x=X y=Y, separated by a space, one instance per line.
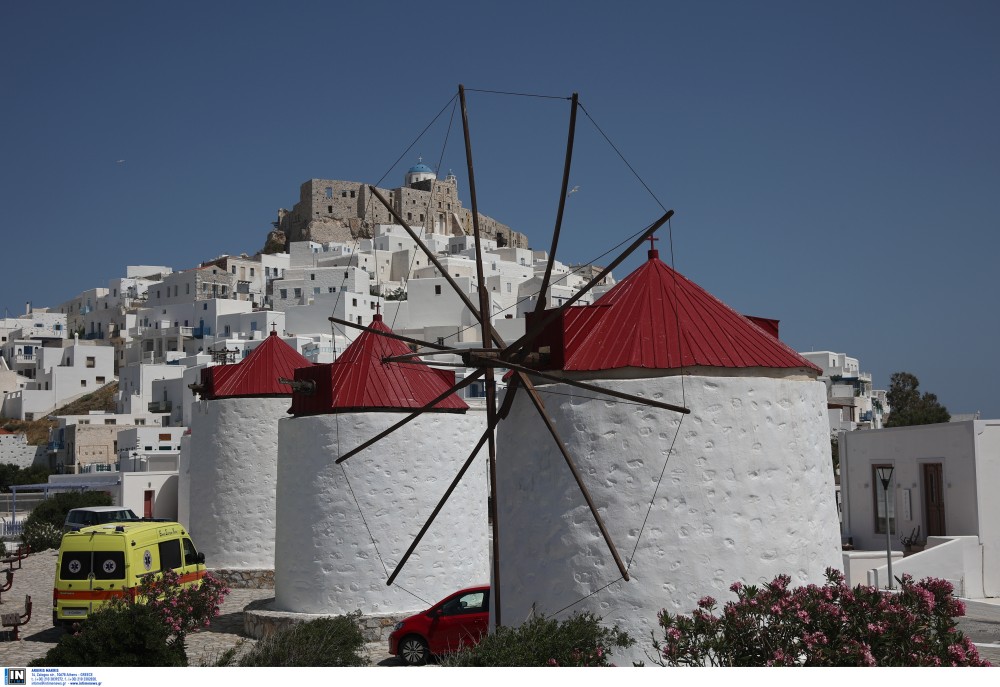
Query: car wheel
x=413 y=650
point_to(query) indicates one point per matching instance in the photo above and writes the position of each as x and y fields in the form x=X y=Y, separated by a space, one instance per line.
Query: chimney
x=27 y=307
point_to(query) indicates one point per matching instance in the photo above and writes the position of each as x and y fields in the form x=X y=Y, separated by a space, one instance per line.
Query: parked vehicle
x=457 y=621
x=79 y=518
x=105 y=561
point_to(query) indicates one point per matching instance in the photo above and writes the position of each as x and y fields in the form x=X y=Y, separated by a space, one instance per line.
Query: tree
x=908 y=407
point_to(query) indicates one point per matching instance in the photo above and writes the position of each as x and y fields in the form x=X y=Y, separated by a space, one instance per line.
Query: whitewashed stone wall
x=14 y=448
x=746 y=494
x=232 y=468
x=340 y=528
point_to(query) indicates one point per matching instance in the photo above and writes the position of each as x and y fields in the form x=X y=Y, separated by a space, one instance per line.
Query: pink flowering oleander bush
x=182 y=609
x=829 y=625
x=146 y=631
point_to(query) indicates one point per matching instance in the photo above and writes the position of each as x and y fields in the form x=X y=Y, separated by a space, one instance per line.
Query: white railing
x=11 y=529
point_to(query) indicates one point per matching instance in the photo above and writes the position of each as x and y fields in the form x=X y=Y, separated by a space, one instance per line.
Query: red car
x=456 y=622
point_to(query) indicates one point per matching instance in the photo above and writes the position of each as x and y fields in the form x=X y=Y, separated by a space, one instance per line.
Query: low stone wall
x=260 y=620
x=245 y=579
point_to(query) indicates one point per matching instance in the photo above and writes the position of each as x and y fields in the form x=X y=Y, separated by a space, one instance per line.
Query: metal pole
x=888 y=539
x=884 y=473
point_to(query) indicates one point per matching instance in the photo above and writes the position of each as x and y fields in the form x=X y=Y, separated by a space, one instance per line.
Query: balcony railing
x=161 y=407
x=54 y=446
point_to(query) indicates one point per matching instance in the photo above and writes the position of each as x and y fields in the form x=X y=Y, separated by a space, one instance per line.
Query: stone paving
x=203 y=648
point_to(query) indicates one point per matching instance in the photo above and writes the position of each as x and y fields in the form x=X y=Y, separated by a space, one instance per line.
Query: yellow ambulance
x=104 y=561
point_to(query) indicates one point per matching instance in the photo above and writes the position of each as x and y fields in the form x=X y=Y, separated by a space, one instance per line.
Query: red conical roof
x=657 y=318
x=360 y=381
x=257 y=374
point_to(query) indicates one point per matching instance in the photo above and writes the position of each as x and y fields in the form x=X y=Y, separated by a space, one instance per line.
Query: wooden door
x=147 y=503
x=933 y=499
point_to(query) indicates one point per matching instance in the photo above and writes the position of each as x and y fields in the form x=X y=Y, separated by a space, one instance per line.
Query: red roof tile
x=360 y=381
x=636 y=324
x=257 y=374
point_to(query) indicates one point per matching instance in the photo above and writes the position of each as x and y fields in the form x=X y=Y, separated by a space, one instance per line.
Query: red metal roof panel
x=657 y=318
x=360 y=381
x=257 y=374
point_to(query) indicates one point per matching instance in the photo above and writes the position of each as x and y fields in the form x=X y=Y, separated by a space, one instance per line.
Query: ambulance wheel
x=413 y=650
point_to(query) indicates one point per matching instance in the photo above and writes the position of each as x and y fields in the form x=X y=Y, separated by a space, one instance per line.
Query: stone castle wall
x=335 y=210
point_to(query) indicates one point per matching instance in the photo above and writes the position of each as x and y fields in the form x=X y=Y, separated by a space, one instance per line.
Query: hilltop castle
x=332 y=210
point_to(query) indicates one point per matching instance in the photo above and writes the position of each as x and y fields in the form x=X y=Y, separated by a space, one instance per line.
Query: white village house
x=944 y=482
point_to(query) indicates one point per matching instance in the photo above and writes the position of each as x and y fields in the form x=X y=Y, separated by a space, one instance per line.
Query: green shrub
x=325 y=642
x=40 y=536
x=53 y=510
x=579 y=641
x=43 y=528
x=119 y=634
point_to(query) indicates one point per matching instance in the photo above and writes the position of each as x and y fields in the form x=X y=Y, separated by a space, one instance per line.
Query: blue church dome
x=420 y=169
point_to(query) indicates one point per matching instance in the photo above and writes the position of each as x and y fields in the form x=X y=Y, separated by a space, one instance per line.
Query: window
x=83 y=382
x=298 y=293
x=312 y=277
x=332 y=289
x=91 y=361
x=140 y=421
x=437 y=289
x=170 y=554
x=472 y=602
x=343 y=194
x=234 y=269
x=100 y=380
x=880 y=503
x=284 y=293
x=316 y=290
x=329 y=208
x=251 y=271
x=110 y=421
x=354 y=302
x=190 y=553
x=329 y=192
x=352 y=194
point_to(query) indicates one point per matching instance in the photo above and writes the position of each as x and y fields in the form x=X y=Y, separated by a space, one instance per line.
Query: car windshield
x=125 y=515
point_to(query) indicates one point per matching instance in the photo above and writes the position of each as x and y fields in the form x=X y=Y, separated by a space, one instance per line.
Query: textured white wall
x=747 y=493
x=233 y=471
x=328 y=514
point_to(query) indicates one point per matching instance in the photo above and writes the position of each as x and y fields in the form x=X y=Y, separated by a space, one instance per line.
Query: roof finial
x=378 y=312
x=274 y=328
x=653 y=253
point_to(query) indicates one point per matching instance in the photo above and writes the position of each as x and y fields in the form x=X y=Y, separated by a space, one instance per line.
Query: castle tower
x=232 y=457
x=341 y=529
x=740 y=489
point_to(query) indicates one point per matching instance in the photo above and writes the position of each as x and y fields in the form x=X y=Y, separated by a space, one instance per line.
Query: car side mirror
x=434 y=612
x=200 y=557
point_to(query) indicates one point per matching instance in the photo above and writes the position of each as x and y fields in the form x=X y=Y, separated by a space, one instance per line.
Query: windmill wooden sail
x=512 y=357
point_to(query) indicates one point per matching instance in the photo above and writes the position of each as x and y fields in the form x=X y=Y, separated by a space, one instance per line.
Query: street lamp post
x=885 y=477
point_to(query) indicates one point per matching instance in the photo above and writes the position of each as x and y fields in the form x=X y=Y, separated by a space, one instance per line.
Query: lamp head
x=884 y=473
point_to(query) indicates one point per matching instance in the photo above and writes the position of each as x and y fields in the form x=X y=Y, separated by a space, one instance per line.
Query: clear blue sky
x=832 y=165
